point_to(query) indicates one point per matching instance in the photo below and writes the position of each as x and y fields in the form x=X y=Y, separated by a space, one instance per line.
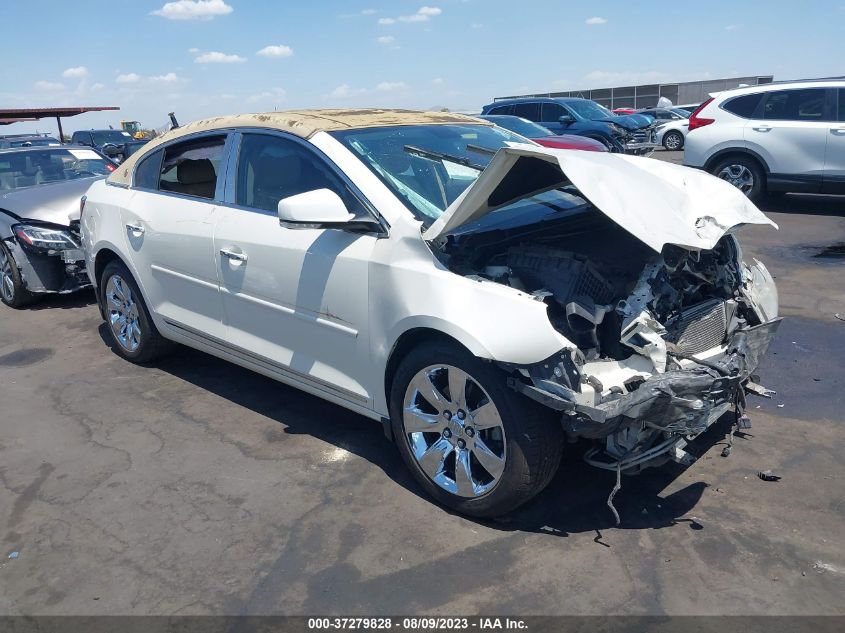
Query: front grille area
x=699 y=328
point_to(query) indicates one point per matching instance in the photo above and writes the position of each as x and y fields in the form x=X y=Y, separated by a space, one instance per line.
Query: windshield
x=30 y=168
x=427 y=166
x=101 y=137
x=590 y=110
x=521 y=126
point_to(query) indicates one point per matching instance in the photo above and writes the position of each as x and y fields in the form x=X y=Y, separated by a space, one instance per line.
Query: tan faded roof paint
x=304 y=123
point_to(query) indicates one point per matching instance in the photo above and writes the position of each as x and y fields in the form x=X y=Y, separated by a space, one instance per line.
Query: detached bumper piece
x=654 y=422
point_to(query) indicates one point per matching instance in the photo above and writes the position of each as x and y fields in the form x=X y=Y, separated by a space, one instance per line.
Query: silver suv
x=782 y=137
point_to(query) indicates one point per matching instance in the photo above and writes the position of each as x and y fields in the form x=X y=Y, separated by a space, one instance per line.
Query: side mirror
x=111 y=150
x=566 y=119
x=321 y=208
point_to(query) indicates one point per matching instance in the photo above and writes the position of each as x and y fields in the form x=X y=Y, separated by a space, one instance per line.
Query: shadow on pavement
x=574 y=502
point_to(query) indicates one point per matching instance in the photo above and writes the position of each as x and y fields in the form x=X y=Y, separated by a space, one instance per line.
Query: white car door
x=169 y=230
x=296 y=297
x=834 y=162
x=791 y=134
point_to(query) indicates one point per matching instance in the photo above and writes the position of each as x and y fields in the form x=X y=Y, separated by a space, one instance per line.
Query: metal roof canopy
x=15 y=115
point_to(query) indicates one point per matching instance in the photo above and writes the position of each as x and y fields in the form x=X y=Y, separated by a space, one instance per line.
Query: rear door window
x=842 y=104
x=191 y=168
x=796 y=105
x=148 y=171
x=530 y=111
x=500 y=110
x=743 y=106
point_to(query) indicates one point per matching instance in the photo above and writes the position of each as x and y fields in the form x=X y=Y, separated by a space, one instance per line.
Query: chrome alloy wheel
x=672 y=141
x=7 y=283
x=123 y=313
x=454 y=431
x=739 y=176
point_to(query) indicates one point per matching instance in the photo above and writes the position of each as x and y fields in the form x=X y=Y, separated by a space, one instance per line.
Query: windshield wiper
x=441 y=156
x=489 y=151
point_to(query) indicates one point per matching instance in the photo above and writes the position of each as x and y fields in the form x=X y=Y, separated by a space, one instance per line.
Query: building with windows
x=646 y=95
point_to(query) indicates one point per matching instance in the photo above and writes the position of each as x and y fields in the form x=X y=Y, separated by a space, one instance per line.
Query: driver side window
x=271 y=168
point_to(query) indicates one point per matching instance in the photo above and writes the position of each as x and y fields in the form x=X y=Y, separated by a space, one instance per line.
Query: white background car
x=780 y=137
x=475 y=303
x=672 y=125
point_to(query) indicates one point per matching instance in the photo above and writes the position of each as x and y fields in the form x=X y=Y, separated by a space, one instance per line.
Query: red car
x=544 y=136
x=624 y=111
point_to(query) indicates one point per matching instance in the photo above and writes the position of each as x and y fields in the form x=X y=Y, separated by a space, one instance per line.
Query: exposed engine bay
x=663 y=343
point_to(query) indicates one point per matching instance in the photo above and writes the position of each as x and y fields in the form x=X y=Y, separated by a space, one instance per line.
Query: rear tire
x=744 y=173
x=673 y=141
x=133 y=333
x=12 y=290
x=483 y=451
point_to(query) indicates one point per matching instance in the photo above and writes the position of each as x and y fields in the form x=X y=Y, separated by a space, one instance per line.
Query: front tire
x=472 y=443
x=673 y=141
x=744 y=173
x=12 y=290
x=132 y=331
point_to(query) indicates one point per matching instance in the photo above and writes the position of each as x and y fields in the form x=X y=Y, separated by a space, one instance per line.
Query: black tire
x=533 y=438
x=151 y=344
x=758 y=189
x=20 y=296
x=677 y=136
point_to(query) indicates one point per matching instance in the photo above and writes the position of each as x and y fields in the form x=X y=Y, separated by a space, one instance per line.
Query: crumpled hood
x=57 y=202
x=658 y=203
x=629 y=121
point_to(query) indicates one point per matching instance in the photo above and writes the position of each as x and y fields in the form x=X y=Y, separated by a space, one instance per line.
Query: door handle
x=232 y=255
x=135 y=229
x=762 y=128
x=839 y=131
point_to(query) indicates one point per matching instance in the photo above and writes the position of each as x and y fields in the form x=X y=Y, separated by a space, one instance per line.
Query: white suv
x=782 y=137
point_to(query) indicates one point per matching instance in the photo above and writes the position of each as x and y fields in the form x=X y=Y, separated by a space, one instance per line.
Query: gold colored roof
x=303 y=123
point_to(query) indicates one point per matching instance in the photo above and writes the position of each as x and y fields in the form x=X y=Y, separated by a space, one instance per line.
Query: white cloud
x=423 y=14
x=429 y=11
x=194 y=50
x=386 y=21
x=49 y=85
x=345 y=90
x=386 y=39
x=128 y=78
x=733 y=27
x=98 y=86
x=193 y=9
x=279 y=50
x=77 y=72
x=476 y=25
x=215 y=57
x=275 y=94
x=391 y=86
x=168 y=78
x=596 y=20
x=369 y=12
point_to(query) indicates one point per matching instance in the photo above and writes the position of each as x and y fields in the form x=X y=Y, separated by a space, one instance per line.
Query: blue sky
x=207 y=57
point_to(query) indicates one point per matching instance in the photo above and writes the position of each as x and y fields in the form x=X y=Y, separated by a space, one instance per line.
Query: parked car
x=623 y=110
x=27 y=140
x=543 y=136
x=98 y=139
x=484 y=301
x=629 y=134
x=672 y=125
x=778 y=137
x=40 y=189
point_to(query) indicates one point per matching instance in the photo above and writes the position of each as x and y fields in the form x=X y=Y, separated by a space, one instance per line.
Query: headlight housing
x=618 y=130
x=42 y=239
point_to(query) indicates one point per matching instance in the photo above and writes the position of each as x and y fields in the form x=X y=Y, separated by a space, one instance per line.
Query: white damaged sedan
x=484 y=297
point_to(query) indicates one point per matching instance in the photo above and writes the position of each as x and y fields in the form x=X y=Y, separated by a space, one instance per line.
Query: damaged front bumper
x=659 y=414
x=48 y=270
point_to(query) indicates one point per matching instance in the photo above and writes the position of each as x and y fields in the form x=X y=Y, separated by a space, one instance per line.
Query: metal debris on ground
x=613 y=492
x=839 y=316
x=768 y=475
x=14 y=554
x=726 y=451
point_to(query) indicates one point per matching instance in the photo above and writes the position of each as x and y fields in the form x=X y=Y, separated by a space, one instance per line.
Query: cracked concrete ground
x=196 y=487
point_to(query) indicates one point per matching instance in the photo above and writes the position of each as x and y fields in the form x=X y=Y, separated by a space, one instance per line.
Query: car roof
x=302 y=123
x=515 y=100
x=40 y=148
x=780 y=85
